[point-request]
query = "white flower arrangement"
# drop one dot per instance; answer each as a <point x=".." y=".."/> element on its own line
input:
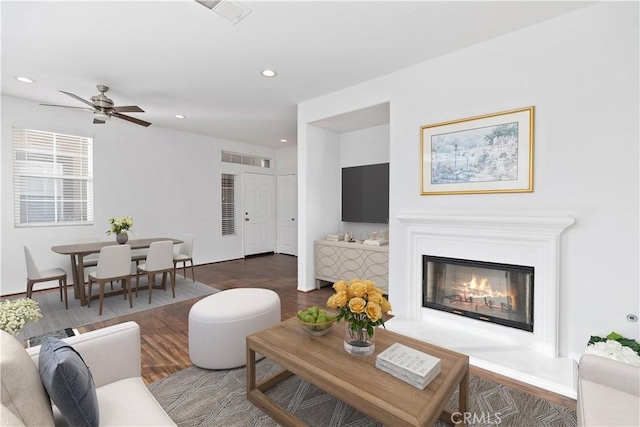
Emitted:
<point x="15" y="314"/>
<point x="616" y="347"/>
<point x="120" y="225"/>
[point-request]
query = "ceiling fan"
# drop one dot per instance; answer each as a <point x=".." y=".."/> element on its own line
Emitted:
<point x="103" y="108"/>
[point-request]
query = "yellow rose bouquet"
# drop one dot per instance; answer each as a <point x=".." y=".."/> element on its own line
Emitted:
<point x="360" y="304"/>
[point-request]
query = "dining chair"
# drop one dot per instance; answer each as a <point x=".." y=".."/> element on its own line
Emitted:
<point x="184" y="255"/>
<point x="34" y="275"/>
<point x="114" y="263"/>
<point x="159" y="260"/>
<point x="90" y="260"/>
<point x="138" y="255"/>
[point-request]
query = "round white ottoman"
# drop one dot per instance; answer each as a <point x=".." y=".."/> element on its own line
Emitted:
<point x="220" y="323"/>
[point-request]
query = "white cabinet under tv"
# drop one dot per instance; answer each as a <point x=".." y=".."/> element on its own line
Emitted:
<point x="345" y="261"/>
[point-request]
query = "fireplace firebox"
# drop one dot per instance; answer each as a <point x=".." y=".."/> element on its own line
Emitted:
<point x="492" y="292"/>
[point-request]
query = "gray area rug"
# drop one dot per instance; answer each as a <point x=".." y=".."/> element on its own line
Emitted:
<point x="55" y="317"/>
<point x="199" y="397"/>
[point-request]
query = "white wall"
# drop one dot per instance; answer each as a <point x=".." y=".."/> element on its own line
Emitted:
<point x="168" y="181"/>
<point x="287" y="160"/>
<point x="364" y="147"/>
<point x="580" y="71"/>
<point x="318" y="195"/>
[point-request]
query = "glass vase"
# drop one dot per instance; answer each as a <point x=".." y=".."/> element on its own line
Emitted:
<point x="122" y="237"/>
<point x="358" y="342"/>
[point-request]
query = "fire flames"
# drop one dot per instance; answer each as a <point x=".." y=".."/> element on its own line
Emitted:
<point x="479" y="289"/>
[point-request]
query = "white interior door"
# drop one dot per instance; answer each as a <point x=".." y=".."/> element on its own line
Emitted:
<point x="259" y="213"/>
<point x="288" y="214"/>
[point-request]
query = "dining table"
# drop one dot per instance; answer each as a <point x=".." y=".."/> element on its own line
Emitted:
<point x="77" y="252"/>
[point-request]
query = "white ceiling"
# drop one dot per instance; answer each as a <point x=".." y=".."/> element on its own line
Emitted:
<point x="178" y="57"/>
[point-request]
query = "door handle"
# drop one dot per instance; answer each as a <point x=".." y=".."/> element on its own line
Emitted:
<point x="293" y="219"/>
<point x="246" y="219"/>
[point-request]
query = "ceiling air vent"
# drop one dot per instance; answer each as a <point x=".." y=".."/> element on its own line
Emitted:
<point x="208" y="4"/>
<point x="230" y="10"/>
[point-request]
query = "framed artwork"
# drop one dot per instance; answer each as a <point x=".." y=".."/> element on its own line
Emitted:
<point x="492" y="153"/>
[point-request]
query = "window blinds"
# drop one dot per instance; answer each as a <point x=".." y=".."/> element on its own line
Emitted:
<point x="229" y="201"/>
<point x="53" y="178"/>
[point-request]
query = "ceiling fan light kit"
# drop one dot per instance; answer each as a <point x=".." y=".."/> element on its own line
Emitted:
<point x="100" y="118"/>
<point x="103" y="108"/>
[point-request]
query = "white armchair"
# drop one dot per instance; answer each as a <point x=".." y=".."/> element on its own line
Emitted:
<point x="608" y="392"/>
<point x="113" y="356"/>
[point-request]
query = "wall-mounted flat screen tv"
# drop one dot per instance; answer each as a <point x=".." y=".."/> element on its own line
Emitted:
<point x="365" y="193"/>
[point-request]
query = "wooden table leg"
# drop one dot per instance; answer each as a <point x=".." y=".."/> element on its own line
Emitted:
<point x="464" y="393"/>
<point x="458" y="417"/>
<point x="74" y="274"/>
<point x="251" y="369"/>
<point x="83" y="299"/>
<point x="77" y="271"/>
<point x="255" y="393"/>
<point x="463" y="396"/>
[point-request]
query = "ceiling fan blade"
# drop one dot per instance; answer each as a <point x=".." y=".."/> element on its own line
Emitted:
<point x="67" y="106"/>
<point x="128" y="109"/>
<point x="131" y="119"/>
<point x="98" y="122"/>
<point x="77" y="97"/>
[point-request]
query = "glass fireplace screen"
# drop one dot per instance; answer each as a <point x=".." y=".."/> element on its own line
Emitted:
<point x="497" y="293"/>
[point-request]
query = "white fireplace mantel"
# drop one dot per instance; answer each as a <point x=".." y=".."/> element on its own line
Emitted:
<point x="505" y="225"/>
<point x="528" y="240"/>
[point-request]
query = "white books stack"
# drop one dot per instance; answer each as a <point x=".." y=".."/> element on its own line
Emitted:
<point x="408" y="364"/>
<point x="373" y="242"/>
<point x="335" y="237"/>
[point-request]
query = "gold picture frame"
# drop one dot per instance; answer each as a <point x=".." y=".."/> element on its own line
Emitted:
<point x="492" y="153"/>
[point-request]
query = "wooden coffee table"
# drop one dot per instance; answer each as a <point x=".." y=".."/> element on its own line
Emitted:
<point x="355" y="380"/>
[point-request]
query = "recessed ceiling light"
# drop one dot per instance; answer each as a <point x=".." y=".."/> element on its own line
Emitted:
<point x="268" y="73"/>
<point x="283" y="140"/>
<point x="25" y="79"/>
<point x="179" y="116"/>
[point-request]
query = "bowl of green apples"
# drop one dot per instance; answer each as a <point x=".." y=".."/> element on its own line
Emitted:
<point x="316" y="321"/>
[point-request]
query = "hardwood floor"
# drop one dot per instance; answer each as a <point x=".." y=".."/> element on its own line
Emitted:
<point x="165" y="343"/>
<point x="165" y="346"/>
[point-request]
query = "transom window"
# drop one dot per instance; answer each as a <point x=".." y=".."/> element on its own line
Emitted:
<point x="245" y="159"/>
<point x="52" y="178"/>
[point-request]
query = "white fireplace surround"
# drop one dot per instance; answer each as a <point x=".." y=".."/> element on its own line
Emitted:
<point x="507" y="239"/>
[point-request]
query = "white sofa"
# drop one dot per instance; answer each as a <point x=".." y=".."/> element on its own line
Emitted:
<point x="113" y="357"/>
<point x="608" y="392"/>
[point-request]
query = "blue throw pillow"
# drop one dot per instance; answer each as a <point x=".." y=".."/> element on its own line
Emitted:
<point x="69" y="383"/>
